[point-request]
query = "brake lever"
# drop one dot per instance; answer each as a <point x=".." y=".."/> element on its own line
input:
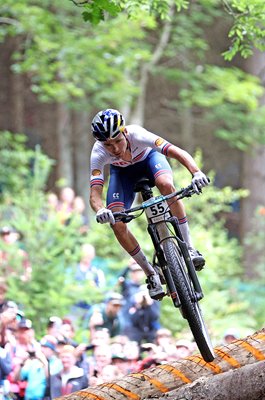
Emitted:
<point x="123" y="217"/>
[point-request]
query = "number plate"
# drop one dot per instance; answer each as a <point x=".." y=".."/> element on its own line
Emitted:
<point x="158" y="212"/>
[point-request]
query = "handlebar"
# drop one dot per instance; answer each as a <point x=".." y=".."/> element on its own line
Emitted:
<point x="124" y="216"/>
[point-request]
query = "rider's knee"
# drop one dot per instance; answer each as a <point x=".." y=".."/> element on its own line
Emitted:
<point x="120" y="228"/>
<point x="166" y="186"/>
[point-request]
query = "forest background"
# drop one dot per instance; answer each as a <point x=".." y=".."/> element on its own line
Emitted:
<point x="190" y="71"/>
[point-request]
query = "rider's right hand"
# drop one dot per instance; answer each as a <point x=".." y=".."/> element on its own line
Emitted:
<point x="104" y="215"/>
<point x="199" y="181"/>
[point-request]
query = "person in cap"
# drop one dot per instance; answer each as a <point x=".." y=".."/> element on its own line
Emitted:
<point x="165" y="341"/>
<point x="33" y="371"/>
<point x="144" y="318"/>
<point x="230" y="335"/>
<point x="49" y="349"/>
<point x="30" y="366"/>
<point x="54" y="324"/>
<point x="106" y="315"/>
<point x="130" y="282"/>
<point x="131" y="279"/>
<point x="184" y="348"/>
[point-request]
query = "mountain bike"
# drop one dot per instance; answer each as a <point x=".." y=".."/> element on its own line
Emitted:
<point x="172" y="259"/>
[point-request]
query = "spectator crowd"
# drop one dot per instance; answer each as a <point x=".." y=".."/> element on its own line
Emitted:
<point x="124" y="333"/>
<point x="57" y="364"/>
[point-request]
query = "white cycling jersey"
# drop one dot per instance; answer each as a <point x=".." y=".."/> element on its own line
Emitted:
<point x="140" y="143"/>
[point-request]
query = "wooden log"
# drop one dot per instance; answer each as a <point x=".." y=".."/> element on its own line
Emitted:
<point x="167" y="377"/>
<point x="245" y="383"/>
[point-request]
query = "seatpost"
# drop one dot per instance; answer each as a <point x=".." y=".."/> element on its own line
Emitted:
<point x="146" y="192"/>
<point x="144" y="187"/>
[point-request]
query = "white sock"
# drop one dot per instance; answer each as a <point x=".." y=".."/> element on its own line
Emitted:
<point x="184" y="229"/>
<point x="138" y="255"/>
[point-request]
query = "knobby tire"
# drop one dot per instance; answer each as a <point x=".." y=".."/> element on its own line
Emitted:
<point x="190" y="307"/>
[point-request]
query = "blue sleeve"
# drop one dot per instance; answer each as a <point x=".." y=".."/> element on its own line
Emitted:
<point x="5" y="364"/>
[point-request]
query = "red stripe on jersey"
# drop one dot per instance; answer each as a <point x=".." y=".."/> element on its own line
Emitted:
<point x="96" y="181"/>
<point x="116" y="204"/>
<point x="165" y="148"/>
<point x="161" y="172"/>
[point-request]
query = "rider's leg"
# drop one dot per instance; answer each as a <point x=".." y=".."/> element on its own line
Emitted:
<point x="121" y="195"/>
<point x="165" y="185"/>
<point x="130" y="244"/>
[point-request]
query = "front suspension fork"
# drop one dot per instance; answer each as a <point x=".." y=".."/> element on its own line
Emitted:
<point x="184" y="249"/>
<point x="163" y="264"/>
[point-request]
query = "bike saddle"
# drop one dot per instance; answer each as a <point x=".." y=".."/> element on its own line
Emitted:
<point x="143" y="184"/>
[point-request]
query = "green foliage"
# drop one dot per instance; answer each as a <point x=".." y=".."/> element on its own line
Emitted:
<point x="230" y="98"/>
<point x="227" y="97"/>
<point x="15" y="162"/>
<point x="255" y="239"/>
<point x="247" y="18"/>
<point x="96" y="11"/>
<point x="223" y="85"/>
<point x="247" y="31"/>
<point x="52" y="247"/>
<point x="69" y="61"/>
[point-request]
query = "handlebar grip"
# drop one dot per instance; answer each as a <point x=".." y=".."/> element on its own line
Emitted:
<point x="122" y="216"/>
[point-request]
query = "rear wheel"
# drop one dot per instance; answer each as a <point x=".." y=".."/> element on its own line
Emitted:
<point x="189" y="304"/>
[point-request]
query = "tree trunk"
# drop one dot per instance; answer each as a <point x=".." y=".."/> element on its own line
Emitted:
<point x="253" y="179"/>
<point x="17" y="98"/>
<point x="11" y="89"/>
<point x="81" y="150"/>
<point x="64" y="140"/>
<point x="138" y="115"/>
<point x="156" y="382"/>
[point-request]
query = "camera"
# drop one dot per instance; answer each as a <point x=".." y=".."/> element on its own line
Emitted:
<point x="31" y="354"/>
<point x="90" y="347"/>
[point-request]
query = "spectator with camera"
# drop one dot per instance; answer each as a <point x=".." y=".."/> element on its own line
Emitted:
<point x="33" y="370"/>
<point x="26" y="352"/>
<point x="106" y="315"/>
<point x="144" y="318"/>
<point x="130" y="282"/>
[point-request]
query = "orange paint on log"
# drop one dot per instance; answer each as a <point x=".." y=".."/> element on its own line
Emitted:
<point x="84" y="394"/>
<point x="225" y="356"/>
<point x="255" y="352"/>
<point x="260" y="336"/>
<point x="199" y="360"/>
<point x="118" y="388"/>
<point x="175" y="372"/>
<point x="154" y="382"/>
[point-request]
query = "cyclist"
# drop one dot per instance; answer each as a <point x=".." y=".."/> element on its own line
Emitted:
<point x="133" y="152"/>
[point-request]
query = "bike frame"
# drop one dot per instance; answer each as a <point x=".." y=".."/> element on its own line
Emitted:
<point x="159" y="216"/>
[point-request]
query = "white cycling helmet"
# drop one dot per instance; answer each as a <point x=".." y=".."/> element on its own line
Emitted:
<point x="107" y="124"/>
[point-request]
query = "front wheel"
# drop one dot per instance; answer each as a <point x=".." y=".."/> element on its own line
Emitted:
<point x="189" y="304"/>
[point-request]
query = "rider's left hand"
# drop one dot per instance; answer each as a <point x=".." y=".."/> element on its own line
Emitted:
<point x="199" y="180"/>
